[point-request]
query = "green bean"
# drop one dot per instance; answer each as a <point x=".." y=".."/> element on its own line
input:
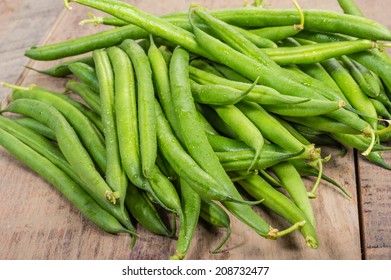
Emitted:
<point x="357" y="141"/>
<point x="194" y="137"/>
<point x="191" y="205"/>
<point x="377" y="158"/>
<point x="278" y="33"/>
<point x="309" y="108"/>
<point x="73" y="151"/>
<point x="153" y="24"/>
<point x="215" y="215"/>
<point x="244" y="128"/>
<point x="108" y="72"/>
<point x="259" y="94"/>
<point x="86" y="74"/>
<point x="165" y="167"/>
<point x="55" y="176"/>
<point x="311" y="135"/>
<point x="162" y="83"/>
<point x="274" y="131"/>
<point x="87" y="132"/>
<point x="257" y="187"/>
<point x="61" y="69"/>
<point x="236" y="60"/>
<point x="373" y="60"/>
<point x="145" y="212"/>
<point x="230" y="74"/>
<point x="205" y="66"/>
<point x="292" y="182"/>
<point x="362" y="76"/>
<point x="40" y="144"/>
<point x="241" y="16"/>
<point x="351" y="90"/>
<point x="307" y="54"/>
<point x="112" y="21"/>
<point x="221" y="143"/>
<point x="183" y="163"/>
<point x="36" y="92"/>
<point x="323" y="123"/>
<point x="36" y="126"/>
<point x="292" y="130"/>
<point x="350" y="7"/>
<point x="126" y="119"/>
<point x="165" y="191"/>
<point x="317" y="71"/>
<point x="216" y="121"/>
<point x="384" y="95"/>
<point x="86" y="93"/>
<point x="380" y="109"/>
<point x="215" y="94"/>
<point x="145" y="105"/>
<point x="240" y="161"/>
<point x="86" y="44"/>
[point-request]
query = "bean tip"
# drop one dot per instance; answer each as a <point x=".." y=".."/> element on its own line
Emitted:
<point x="66" y="4"/>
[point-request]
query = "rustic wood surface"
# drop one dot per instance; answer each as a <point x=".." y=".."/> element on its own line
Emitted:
<point x="36" y="222"/>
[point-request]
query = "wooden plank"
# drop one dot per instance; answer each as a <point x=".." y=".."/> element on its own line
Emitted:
<point x="18" y="32"/>
<point x="36" y="222"/>
<point x="375" y="195"/>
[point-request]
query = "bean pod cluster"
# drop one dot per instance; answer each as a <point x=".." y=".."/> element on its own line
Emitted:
<point x="203" y="114"/>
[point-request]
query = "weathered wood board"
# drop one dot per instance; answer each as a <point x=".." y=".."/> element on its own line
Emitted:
<point x="36" y="222"/>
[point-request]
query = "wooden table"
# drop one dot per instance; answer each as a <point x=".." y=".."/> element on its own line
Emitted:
<point x="36" y="222"/>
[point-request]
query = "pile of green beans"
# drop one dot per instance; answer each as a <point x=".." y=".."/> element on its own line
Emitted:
<point x="208" y="115"/>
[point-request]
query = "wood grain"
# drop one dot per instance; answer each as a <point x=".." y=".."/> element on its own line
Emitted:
<point x="36" y="222"/>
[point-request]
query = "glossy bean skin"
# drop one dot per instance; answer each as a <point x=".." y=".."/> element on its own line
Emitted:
<point x="280" y="204"/>
<point x="307" y="54"/>
<point x="126" y="119"/>
<point x="362" y="76"/>
<point x="221" y="143"/>
<point x="197" y="143"/>
<point x="107" y="73"/>
<point x="350" y="7"/>
<point x="86" y="93"/>
<point x="161" y="79"/>
<point x="244" y="128"/>
<point x="145" y="105"/>
<point x="145" y="212"/>
<point x="63" y="183"/>
<point x="85" y="129"/>
<point x="191" y="207"/>
<point x="292" y="85"/>
<point x="86" y="44"/>
<point x="276" y="33"/>
<point x="36" y="126"/>
<point x="358" y="142"/>
<point x="86" y="74"/>
<point x="323" y="123"/>
<point x="61" y="69"/>
<point x="309" y="108"/>
<point x="74" y="152"/>
<point x="275" y="132"/>
<point x="351" y="90"/>
<point x="381" y="109"/>
<point x="293" y="183"/>
<point x="40" y="144"/>
<point x="178" y="158"/>
<point x="242" y="164"/>
<point x="260" y="94"/>
<point x="216" y="94"/>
